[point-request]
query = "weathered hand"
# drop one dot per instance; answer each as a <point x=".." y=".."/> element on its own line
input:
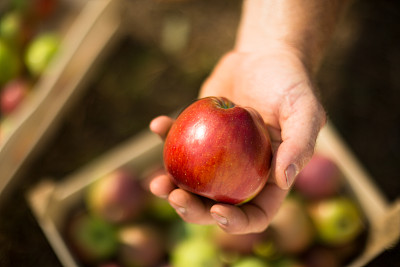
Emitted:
<point x="277" y="85"/>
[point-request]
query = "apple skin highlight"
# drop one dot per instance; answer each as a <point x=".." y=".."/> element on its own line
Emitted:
<point x="219" y="150"/>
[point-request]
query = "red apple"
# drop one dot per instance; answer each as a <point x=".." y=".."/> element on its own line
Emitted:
<point x="12" y="95"/>
<point x="116" y="197"/>
<point x="219" y="150"/>
<point x="320" y="178"/>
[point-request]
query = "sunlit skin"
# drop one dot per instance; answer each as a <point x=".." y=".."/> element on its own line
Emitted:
<point x="218" y="150"/>
<point x="278" y="50"/>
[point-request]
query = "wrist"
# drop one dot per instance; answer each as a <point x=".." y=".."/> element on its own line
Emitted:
<point x="302" y="27"/>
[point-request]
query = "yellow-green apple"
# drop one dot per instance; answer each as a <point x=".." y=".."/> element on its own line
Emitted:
<point x="337" y="220"/>
<point x="320" y="178"/>
<point x="196" y="252"/>
<point x="12" y="95"/>
<point x="117" y="197"/>
<point x="40" y="51"/>
<point x="250" y="261"/>
<point x="219" y="150"/>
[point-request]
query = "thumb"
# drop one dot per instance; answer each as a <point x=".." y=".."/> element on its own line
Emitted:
<point x="300" y="120"/>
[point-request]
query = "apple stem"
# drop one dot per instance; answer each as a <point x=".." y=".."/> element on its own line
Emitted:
<point x="225" y="103"/>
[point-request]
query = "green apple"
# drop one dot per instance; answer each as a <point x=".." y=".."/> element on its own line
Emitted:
<point x="91" y="238"/>
<point x="40" y="52"/>
<point x="337" y="220"/>
<point x="9" y="63"/>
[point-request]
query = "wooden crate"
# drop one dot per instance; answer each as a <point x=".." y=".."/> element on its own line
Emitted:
<point x="86" y="40"/>
<point x="50" y="201"/>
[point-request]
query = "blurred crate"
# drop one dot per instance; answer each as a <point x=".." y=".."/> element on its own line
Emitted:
<point x="87" y="35"/>
<point x="51" y="201"/>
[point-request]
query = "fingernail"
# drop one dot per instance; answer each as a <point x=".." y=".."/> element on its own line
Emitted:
<point x="220" y="219"/>
<point x="178" y="208"/>
<point x="290" y="173"/>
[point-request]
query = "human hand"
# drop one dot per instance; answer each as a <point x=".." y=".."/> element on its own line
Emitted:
<point x="277" y="84"/>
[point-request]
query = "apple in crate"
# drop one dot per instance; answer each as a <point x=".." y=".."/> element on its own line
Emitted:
<point x="40" y="52"/>
<point x="12" y="95"/>
<point x="9" y="62"/>
<point x="140" y="245"/>
<point x="294" y="231"/>
<point x="337" y="220"/>
<point x="196" y="251"/>
<point x="91" y="238"/>
<point x="219" y="150"/>
<point x="116" y="197"/>
<point x="320" y="178"/>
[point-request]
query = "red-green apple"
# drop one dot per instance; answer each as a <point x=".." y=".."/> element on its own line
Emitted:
<point x="292" y="226"/>
<point x="219" y="150"/>
<point x="243" y="244"/>
<point x="140" y="245"/>
<point x="320" y="178"/>
<point x="337" y="220"/>
<point x="116" y="197"/>
<point x="91" y="238"/>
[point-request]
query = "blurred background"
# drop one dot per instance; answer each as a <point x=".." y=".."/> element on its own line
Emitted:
<point x="166" y="51"/>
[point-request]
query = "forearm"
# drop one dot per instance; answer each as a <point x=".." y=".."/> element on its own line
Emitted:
<point x="305" y="26"/>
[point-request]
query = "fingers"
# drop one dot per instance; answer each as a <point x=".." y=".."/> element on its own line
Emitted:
<point x="161" y="125"/>
<point x="301" y="119"/>
<point x="162" y="186"/>
<point x="252" y="217"/>
<point x="191" y="208"/>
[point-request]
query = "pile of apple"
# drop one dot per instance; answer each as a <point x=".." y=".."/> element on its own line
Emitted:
<point x="122" y="224"/>
<point x="27" y="45"/>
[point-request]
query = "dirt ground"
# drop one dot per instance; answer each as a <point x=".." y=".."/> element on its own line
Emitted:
<point x="148" y="74"/>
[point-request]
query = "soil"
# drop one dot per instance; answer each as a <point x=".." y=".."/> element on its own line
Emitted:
<point x="146" y="75"/>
